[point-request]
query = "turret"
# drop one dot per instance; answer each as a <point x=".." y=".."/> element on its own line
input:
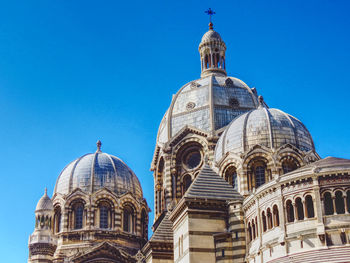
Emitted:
<point x="42" y="243"/>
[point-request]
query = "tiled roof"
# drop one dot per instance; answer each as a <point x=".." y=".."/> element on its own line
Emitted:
<point x="330" y="161"/>
<point x="209" y="185"/>
<point x="164" y="231"/>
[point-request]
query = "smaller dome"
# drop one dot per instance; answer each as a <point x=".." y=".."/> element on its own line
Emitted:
<point x="271" y="128"/>
<point x="44" y="203"/>
<point x="210" y="36"/>
<point x="95" y="171"/>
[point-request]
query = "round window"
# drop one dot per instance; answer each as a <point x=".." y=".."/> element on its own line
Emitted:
<point x="192" y="159"/>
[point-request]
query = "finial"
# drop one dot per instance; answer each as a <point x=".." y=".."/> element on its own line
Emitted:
<point x="99" y="143"/>
<point x="210" y="12"/>
<point x="45" y="190"/>
<point x="261" y="100"/>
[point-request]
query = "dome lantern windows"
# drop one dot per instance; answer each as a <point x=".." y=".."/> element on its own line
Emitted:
<point x="259" y="175"/>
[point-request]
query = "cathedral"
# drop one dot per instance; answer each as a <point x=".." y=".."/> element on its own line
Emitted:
<point x="234" y="181"/>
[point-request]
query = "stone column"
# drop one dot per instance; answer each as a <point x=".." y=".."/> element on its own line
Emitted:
<point x="334" y="206"/>
<point x="295" y="212"/>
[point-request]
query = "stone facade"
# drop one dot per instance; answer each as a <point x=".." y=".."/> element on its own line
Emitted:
<point x="234" y="181"/>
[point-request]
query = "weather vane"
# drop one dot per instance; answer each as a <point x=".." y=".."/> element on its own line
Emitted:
<point x="210" y="12"/>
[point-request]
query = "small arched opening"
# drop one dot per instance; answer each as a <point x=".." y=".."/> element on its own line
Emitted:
<point x="310" y="213"/>
<point x="231" y="177"/>
<point x="128" y="219"/>
<point x="276" y="219"/>
<point x="263" y="217"/>
<point x="57" y="220"/>
<point x="299" y="209"/>
<point x="339" y="202"/>
<point x="289" y="164"/>
<point x="187" y="180"/>
<point x="290" y="211"/>
<point x="269" y="218"/>
<point x="78" y="215"/>
<point x="328" y="203"/>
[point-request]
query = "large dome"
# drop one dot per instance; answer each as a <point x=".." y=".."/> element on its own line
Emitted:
<point x="207" y="104"/>
<point x="94" y="171"/>
<point x="271" y="128"/>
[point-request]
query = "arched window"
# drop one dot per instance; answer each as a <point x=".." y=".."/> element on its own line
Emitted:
<point x="186" y="183"/>
<point x="339" y="203"/>
<point x="159" y="187"/>
<point x="348" y="200"/>
<point x="264" y="221"/>
<point x="290" y="211"/>
<point x="276" y="218"/>
<point x="309" y="206"/>
<point x="259" y="175"/>
<point x="144" y="224"/>
<point x="269" y="218"/>
<point x="300" y="208"/>
<point x="78" y="216"/>
<point x="289" y="164"/>
<point x="253" y="229"/>
<point x="57" y="220"/>
<point x="328" y="203"/>
<point x="128" y="219"/>
<point x="250" y="232"/>
<point x="105" y="212"/>
<point x="231" y="177"/>
<point x="256" y="226"/>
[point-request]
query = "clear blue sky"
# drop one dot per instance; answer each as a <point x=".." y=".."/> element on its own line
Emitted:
<point x="73" y="72"/>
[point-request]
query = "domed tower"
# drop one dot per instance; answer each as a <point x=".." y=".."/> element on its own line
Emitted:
<point x="98" y="211"/>
<point x="42" y="243"/>
<point x="260" y="145"/>
<point x="191" y="126"/>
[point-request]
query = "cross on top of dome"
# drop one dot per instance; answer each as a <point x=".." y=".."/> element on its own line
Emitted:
<point x="99" y="144"/>
<point x="210" y="13"/>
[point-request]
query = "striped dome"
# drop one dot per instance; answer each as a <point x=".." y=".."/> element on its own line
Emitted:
<point x="271" y="128"/>
<point x="94" y="171"/>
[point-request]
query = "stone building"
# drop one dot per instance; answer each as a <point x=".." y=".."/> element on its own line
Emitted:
<point x="234" y="181"/>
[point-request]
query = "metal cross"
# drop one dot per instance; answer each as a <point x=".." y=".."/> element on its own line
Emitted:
<point x="210" y="12"/>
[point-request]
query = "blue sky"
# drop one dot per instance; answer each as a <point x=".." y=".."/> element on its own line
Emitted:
<point x="73" y="72"/>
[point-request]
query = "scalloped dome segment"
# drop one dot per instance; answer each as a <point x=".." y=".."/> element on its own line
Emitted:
<point x="271" y="128"/>
<point x="44" y="203"/>
<point x="211" y="35"/>
<point x="94" y="171"/>
<point x="207" y="104"/>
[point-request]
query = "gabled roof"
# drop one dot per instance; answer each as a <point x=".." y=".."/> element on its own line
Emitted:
<point x="210" y="185"/>
<point x="164" y="231"/>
